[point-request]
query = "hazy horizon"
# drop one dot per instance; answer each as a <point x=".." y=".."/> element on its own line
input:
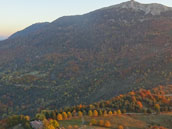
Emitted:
<point x="19" y="14"/>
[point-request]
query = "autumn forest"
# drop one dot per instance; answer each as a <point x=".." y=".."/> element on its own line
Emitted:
<point x="110" y="68"/>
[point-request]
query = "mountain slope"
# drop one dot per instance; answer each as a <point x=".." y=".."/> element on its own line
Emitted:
<point x="86" y="58"/>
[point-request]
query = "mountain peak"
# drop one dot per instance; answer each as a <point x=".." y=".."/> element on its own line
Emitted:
<point x="154" y="8"/>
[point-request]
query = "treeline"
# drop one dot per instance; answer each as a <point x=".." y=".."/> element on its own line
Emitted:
<point x="142" y="101"/>
<point x="68" y="115"/>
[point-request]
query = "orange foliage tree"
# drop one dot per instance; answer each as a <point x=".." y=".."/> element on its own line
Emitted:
<point x="69" y="114"/>
<point x="157" y="107"/>
<point x="59" y="117"/>
<point x="120" y="127"/>
<point x="95" y="113"/>
<point x="139" y="104"/>
<point x="107" y="124"/>
<point x="64" y="115"/>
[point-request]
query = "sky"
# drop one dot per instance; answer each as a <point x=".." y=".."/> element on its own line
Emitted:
<point x="16" y="15"/>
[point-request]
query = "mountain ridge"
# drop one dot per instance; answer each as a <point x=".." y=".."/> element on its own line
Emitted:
<point x="29" y="30"/>
<point x="152" y="8"/>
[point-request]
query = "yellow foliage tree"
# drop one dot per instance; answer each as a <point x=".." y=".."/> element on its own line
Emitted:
<point x="90" y="113"/>
<point x="69" y="114"/>
<point x="45" y="123"/>
<point x="110" y="113"/>
<point x="95" y="113"/>
<point x="59" y="117"/>
<point x="119" y="112"/>
<point x="50" y="127"/>
<point x="51" y="124"/>
<point x="54" y="123"/>
<point x="40" y="116"/>
<point x="27" y="118"/>
<point x="80" y="114"/>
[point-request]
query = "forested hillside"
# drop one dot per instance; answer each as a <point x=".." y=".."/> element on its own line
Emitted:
<point x="142" y="109"/>
<point x="86" y="58"/>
